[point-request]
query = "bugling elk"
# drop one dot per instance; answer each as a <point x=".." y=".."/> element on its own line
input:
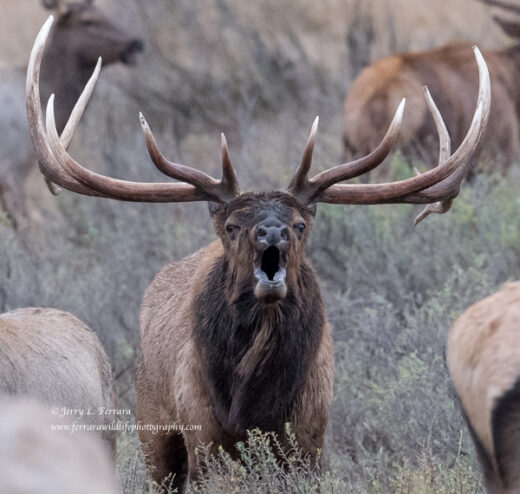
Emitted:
<point x="451" y="76"/>
<point x="235" y="336"/>
<point x="484" y="361"/>
<point x="51" y="356"/>
<point x="38" y="458"/>
<point x="81" y="35"/>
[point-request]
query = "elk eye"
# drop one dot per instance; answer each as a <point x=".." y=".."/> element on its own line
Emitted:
<point x="232" y="228"/>
<point x="300" y="227"/>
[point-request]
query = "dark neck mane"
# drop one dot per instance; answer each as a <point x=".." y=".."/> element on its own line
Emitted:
<point x="256" y="356"/>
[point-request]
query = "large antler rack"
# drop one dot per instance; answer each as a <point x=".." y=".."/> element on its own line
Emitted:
<point x="61" y="169"/>
<point x="436" y="187"/>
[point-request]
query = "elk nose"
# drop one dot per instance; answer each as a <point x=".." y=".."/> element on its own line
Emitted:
<point x="272" y="234"/>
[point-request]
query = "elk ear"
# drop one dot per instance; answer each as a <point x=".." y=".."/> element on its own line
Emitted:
<point x="311" y="209"/>
<point x="215" y="208"/>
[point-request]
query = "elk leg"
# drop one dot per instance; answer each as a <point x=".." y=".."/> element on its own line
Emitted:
<point x="167" y="459"/>
<point x="506" y="438"/>
<point x="165" y="451"/>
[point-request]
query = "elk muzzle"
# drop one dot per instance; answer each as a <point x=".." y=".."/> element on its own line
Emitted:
<point x="271" y="241"/>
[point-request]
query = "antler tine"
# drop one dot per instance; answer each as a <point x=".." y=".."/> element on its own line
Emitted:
<point x="449" y="187"/>
<point x="444" y="135"/>
<point x="57" y="166"/>
<point x="368" y="162"/>
<point x="44" y="155"/>
<point x="444" y="153"/>
<point x="440" y="183"/>
<point x="221" y="190"/>
<point x="300" y="181"/>
<point x="310" y="189"/>
<point x="229" y="181"/>
<point x="74" y="119"/>
<point x="197" y="178"/>
<point x="79" y="108"/>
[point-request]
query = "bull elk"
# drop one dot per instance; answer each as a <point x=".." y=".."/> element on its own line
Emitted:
<point x="450" y="74"/>
<point x="51" y="356"/>
<point x="484" y="361"/>
<point x="38" y="458"/>
<point x="235" y="336"/>
<point x="82" y="34"/>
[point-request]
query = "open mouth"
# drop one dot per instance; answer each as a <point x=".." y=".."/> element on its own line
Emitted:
<point x="270" y="274"/>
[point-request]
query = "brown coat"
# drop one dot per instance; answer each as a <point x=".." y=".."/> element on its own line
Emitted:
<point x="181" y="375"/>
<point x="51" y="356"/>
<point x="451" y="76"/>
<point x="484" y="360"/>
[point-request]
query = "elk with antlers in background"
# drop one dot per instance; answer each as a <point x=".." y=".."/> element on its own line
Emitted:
<point x="451" y="76"/>
<point x="484" y="361"/>
<point x="82" y="34"/>
<point x="235" y="336"/>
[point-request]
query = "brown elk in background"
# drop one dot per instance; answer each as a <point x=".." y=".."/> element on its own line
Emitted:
<point x="484" y="361"/>
<point x="82" y="34"/>
<point x="35" y="458"/>
<point x="53" y="357"/>
<point x="235" y="336"/>
<point x="452" y="78"/>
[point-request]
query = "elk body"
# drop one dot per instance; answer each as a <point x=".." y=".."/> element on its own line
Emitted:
<point x="82" y="34"/>
<point x="235" y="336"/>
<point x="53" y="357"/>
<point x="35" y="459"/>
<point x="451" y="76"/>
<point x="484" y="362"/>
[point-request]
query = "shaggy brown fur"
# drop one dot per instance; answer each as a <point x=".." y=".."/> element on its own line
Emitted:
<point x="484" y="361"/>
<point x="35" y="459"/>
<point x="50" y="355"/>
<point x="451" y="76"/>
<point x="214" y="354"/>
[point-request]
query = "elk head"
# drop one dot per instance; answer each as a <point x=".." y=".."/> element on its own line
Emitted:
<point x="84" y="31"/>
<point x="263" y="234"/>
<point x="263" y="237"/>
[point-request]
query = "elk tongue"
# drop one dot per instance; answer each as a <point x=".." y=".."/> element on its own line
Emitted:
<point x="278" y="277"/>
